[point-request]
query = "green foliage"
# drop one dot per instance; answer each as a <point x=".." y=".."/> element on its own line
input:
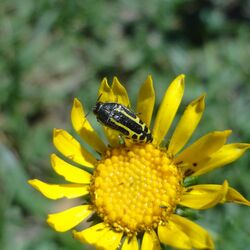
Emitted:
<point x="52" y="51"/>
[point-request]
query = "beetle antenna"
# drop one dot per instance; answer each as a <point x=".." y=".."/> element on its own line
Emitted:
<point x="85" y="117"/>
<point x="87" y="114"/>
<point x="99" y="97"/>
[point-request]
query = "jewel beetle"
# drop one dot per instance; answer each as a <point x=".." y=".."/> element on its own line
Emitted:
<point x="118" y="117"/>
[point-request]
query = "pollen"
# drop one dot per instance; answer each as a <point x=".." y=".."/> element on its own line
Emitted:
<point x="135" y="188"/>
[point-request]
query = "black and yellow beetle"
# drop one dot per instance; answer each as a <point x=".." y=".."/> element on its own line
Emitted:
<point x="118" y="117"/>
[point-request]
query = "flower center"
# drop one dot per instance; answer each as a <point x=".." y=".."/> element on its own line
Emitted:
<point x="135" y="188"/>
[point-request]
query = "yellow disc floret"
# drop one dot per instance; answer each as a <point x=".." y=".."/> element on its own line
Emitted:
<point x="135" y="188"/>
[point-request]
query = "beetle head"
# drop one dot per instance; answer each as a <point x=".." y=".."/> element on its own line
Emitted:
<point x="97" y="107"/>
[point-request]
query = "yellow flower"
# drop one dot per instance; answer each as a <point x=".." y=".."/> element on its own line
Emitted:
<point x="132" y="191"/>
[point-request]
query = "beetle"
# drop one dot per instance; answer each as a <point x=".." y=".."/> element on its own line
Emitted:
<point x="118" y="117"/>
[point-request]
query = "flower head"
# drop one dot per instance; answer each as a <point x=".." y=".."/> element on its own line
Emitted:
<point x="132" y="191"/>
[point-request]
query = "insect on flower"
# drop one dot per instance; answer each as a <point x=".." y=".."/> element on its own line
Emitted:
<point x="137" y="196"/>
<point x="118" y="117"/>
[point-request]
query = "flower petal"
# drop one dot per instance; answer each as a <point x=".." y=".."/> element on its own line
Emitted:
<point x="72" y="149"/>
<point x="187" y="124"/>
<point x="130" y="244"/>
<point x="150" y="241"/>
<point x="105" y="93"/>
<point x="109" y="241"/>
<point x="69" y="172"/>
<point x="168" y="109"/>
<point x="84" y="129"/>
<point x="120" y="93"/>
<point x="58" y="191"/>
<point x="235" y="197"/>
<point x="100" y="236"/>
<point x="201" y="149"/>
<point x="91" y="234"/>
<point x="69" y="218"/>
<point x="146" y="101"/>
<point x="208" y="195"/>
<point x="171" y="234"/>
<point x="113" y="136"/>
<point x="200" y="239"/>
<point x="225" y="155"/>
<point x="204" y="196"/>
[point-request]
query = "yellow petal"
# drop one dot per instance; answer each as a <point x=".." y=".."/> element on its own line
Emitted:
<point x="58" y="191"/>
<point x="187" y="124"/>
<point x="150" y="241"/>
<point x="100" y="236"/>
<point x="109" y="241"/>
<point x="105" y="93"/>
<point x="201" y="149"/>
<point x="130" y="244"/>
<point x="72" y="149"/>
<point x="120" y="93"/>
<point x="69" y="218"/>
<point x="225" y="155"/>
<point x="146" y="101"/>
<point x="69" y="172"/>
<point x="204" y="196"/>
<point x="200" y="239"/>
<point x="171" y="234"/>
<point x="84" y="129"/>
<point x="117" y="93"/>
<point x="113" y="136"/>
<point x="235" y="197"/>
<point x="168" y="109"/>
<point x="91" y="234"/>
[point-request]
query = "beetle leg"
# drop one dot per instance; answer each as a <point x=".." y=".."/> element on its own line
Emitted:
<point x="121" y="139"/>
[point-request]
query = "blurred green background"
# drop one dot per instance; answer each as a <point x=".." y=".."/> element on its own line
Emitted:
<point x="53" y="51"/>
